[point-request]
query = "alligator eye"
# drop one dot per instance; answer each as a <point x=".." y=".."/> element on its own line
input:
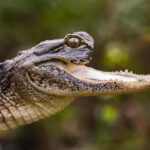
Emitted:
<point x="73" y="42"/>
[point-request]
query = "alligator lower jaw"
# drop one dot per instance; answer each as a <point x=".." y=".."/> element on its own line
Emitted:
<point x="89" y="74"/>
<point x="94" y="76"/>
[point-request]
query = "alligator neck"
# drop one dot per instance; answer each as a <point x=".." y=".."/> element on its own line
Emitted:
<point x="16" y="111"/>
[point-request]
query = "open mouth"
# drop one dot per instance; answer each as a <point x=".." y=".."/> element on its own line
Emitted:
<point x="70" y="79"/>
<point x="89" y="74"/>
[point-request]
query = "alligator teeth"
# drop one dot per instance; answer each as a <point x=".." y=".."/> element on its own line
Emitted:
<point x="97" y="75"/>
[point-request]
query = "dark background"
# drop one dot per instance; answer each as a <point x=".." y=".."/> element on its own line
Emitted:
<point x="121" y="29"/>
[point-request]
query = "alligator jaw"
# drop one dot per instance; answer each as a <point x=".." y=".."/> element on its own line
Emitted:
<point x="92" y="75"/>
<point x="79" y="80"/>
<point x="116" y="82"/>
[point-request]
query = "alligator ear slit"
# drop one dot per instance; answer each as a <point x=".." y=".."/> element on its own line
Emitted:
<point x="39" y="52"/>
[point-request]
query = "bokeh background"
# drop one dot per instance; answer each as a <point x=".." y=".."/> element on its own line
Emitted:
<point x="121" y="29"/>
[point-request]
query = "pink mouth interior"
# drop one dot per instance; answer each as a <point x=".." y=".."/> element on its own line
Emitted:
<point x="86" y="73"/>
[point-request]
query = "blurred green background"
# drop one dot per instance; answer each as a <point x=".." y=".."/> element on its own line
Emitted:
<point x="121" y="30"/>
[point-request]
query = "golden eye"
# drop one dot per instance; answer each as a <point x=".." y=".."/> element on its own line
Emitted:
<point x="73" y="42"/>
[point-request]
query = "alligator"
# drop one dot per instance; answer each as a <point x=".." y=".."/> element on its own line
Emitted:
<point x="43" y="80"/>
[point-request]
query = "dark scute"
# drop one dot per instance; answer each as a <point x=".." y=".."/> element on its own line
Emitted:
<point x="3" y="66"/>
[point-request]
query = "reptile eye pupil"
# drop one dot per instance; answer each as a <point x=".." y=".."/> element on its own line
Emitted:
<point x="74" y="42"/>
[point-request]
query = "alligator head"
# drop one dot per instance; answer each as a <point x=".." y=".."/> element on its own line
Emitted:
<point x="44" y="79"/>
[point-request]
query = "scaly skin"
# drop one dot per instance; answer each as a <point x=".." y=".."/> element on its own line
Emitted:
<point x="43" y="80"/>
